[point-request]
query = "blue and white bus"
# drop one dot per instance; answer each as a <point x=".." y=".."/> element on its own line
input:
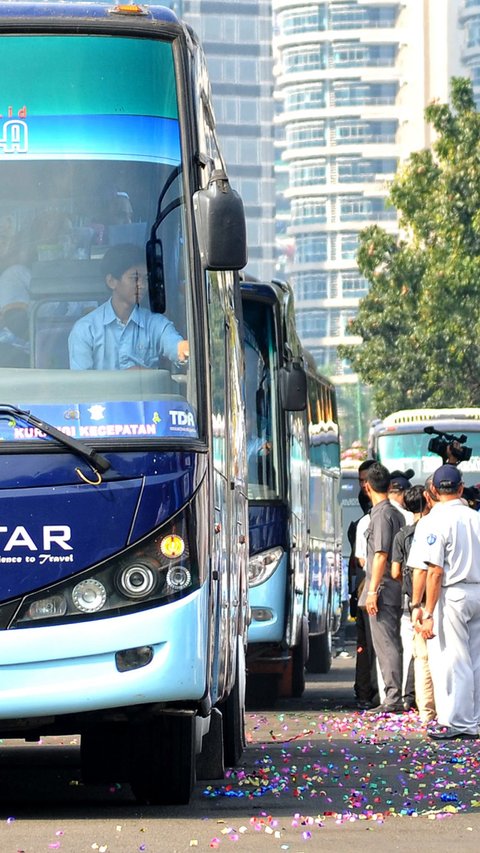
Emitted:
<point x="123" y="540"/>
<point x="294" y="509"/>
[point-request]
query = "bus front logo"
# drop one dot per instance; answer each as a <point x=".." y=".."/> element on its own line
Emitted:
<point x="55" y="534"/>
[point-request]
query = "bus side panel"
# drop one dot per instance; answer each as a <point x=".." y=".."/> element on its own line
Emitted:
<point x="299" y="501"/>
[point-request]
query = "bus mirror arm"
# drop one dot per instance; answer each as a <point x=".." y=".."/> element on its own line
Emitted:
<point x="156" y="275"/>
<point x="293" y="386"/>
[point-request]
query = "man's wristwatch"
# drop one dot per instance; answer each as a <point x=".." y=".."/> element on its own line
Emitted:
<point x="416" y="605"/>
<point x="427" y="616"/>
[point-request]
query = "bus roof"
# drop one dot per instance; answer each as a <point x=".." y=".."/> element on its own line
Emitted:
<point x="420" y="416"/>
<point x="18" y="9"/>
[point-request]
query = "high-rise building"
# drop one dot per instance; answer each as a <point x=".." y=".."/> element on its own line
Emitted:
<point x="469" y="17"/>
<point x="237" y="39"/>
<point x="353" y="78"/>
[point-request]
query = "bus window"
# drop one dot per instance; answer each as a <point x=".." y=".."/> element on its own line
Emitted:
<point x="91" y="170"/>
<point x="261" y="379"/>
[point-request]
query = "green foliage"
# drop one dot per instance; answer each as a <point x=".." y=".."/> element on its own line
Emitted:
<point x="420" y="321"/>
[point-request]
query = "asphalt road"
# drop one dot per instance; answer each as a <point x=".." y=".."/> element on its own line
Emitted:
<point x="317" y="775"/>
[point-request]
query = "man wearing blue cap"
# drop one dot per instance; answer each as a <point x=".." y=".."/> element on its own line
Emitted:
<point x="450" y="619"/>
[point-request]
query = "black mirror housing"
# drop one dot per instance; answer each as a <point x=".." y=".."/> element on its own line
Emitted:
<point x="293" y="387"/>
<point x="221" y="227"/>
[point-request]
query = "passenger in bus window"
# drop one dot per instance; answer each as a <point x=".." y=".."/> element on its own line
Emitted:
<point x="121" y="334"/>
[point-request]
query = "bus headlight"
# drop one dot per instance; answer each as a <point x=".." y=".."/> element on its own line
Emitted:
<point x="89" y="595"/>
<point x="159" y="569"/>
<point x="178" y="578"/>
<point x="262" y="566"/>
<point x="139" y="579"/>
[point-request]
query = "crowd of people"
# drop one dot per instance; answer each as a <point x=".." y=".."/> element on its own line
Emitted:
<point x="415" y="594"/>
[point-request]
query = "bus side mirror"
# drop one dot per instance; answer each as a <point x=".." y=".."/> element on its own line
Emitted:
<point x="156" y="276"/>
<point x="220" y="223"/>
<point x="293" y="387"/>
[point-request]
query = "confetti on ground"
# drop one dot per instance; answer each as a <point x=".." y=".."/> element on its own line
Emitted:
<point x="351" y="766"/>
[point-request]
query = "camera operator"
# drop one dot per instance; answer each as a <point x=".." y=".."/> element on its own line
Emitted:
<point x="451" y="448"/>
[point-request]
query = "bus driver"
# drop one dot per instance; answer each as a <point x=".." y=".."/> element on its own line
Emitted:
<point x="120" y="334"/>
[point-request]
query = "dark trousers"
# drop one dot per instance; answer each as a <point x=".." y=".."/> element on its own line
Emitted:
<point x="385" y="628"/>
<point x="366" y="687"/>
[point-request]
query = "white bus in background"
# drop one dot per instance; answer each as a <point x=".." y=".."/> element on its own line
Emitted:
<point x="399" y="441"/>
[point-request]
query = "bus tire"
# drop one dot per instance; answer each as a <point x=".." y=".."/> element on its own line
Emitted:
<point x="162" y="760"/>
<point x="320" y="657"/>
<point x="233" y="710"/>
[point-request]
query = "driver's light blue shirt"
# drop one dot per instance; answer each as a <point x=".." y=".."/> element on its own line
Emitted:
<point x="100" y="341"/>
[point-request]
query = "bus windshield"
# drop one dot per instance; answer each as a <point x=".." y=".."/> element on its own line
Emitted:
<point x="261" y="401"/>
<point x="90" y="169"/>
<point x="400" y="451"/>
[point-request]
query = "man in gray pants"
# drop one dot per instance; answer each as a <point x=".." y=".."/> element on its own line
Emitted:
<point x="382" y="595"/>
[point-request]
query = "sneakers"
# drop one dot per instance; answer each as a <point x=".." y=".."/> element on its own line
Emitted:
<point x="438" y="732"/>
<point x="344" y="654"/>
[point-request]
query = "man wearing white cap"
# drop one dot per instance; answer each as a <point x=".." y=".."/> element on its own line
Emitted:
<point x="450" y="547"/>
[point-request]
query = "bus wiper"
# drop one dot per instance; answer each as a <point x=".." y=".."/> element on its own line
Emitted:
<point x="96" y="460"/>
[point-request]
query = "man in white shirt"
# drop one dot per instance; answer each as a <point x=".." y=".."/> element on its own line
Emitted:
<point x="448" y="542"/>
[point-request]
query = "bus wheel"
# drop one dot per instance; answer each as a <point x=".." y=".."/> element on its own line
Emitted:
<point x="320" y="657"/>
<point x="299" y="660"/>
<point x="162" y="760"/>
<point x="233" y="710"/>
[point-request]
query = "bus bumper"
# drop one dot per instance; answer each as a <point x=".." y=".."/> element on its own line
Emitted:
<point x="68" y="669"/>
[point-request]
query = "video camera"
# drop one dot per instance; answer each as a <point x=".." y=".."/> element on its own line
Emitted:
<point x="451" y="448"/>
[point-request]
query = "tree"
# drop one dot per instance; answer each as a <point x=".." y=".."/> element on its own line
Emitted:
<point x="420" y="321"/>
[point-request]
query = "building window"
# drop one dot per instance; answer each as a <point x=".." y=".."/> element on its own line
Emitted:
<point x="306" y="134"/>
<point x="311" y="248"/>
<point x="339" y="321"/>
<point x="473" y="32"/>
<point x="360" y="208"/>
<point x="350" y="93"/>
<point x="309" y="286"/>
<point x="357" y="54"/>
<point x="307" y="58"/>
<point x="312" y="323"/>
<point x="348" y="246"/>
<point x="303" y="20"/>
<point x="353" y="284"/>
<point x="360" y="170"/>
<point x="307" y="174"/>
<point x="307" y="211"/>
<point x="349" y="16"/>
<point x="326" y="357"/>
<point x="357" y="131"/>
<point x="310" y="98"/>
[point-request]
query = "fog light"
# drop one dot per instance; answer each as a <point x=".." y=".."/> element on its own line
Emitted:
<point x="178" y="578"/>
<point x="47" y="607"/>
<point x="261" y="614"/>
<point x="89" y="596"/>
<point x="133" y="658"/>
